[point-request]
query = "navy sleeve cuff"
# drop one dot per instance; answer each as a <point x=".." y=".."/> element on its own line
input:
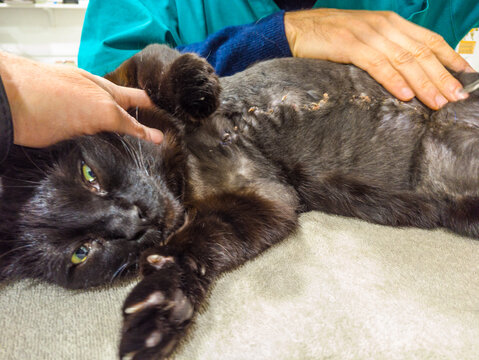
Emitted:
<point x="234" y="48"/>
<point x="6" y="125"/>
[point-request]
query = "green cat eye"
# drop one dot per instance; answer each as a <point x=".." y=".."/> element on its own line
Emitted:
<point x="88" y="173"/>
<point x="90" y="178"/>
<point x="80" y="254"/>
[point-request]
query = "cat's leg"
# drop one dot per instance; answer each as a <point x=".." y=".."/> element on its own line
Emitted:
<point x="449" y="164"/>
<point x="462" y="216"/>
<point x="189" y="88"/>
<point x="224" y="231"/>
<point x="184" y="85"/>
<point x="348" y="196"/>
<point x="144" y="69"/>
<point x="449" y="167"/>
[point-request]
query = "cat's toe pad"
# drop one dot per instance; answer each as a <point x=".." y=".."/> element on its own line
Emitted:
<point x="182" y="309"/>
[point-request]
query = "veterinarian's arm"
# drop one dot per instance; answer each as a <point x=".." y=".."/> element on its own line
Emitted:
<point x="6" y="127"/>
<point x="234" y="48"/>
<point x="50" y="103"/>
<point x="406" y="59"/>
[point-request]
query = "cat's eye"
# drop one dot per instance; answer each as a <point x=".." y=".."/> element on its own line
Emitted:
<point x="89" y="176"/>
<point x="88" y="173"/>
<point x="80" y="254"/>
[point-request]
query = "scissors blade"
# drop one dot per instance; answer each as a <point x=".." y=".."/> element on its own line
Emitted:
<point x="471" y="87"/>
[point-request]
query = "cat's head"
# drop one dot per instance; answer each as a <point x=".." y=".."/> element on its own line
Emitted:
<point x="79" y="213"/>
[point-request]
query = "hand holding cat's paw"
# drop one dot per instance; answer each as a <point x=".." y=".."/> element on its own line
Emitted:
<point x="156" y="313"/>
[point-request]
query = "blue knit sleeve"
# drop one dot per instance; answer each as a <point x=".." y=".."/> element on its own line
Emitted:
<point x="234" y="48"/>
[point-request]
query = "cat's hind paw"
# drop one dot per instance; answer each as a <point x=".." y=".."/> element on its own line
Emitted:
<point x="195" y="85"/>
<point x="156" y="313"/>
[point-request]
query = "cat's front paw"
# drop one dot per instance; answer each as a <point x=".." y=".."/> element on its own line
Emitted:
<point x="156" y="313"/>
<point x="195" y="85"/>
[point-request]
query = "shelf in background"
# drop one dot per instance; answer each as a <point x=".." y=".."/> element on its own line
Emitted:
<point x="44" y="6"/>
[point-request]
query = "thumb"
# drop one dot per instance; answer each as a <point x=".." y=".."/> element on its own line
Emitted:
<point x="126" y="97"/>
<point x="129" y="125"/>
<point x="129" y="97"/>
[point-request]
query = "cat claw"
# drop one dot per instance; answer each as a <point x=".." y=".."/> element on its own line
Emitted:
<point x="129" y="356"/>
<point x="182" y="308"/>
<point x="159" y="261"/>
<point x="154" y="299"/>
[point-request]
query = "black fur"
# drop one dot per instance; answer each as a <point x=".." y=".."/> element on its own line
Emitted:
<point x="235" y="169"/>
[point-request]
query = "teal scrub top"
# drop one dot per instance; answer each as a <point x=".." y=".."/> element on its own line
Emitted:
<point x="115" y="30"/>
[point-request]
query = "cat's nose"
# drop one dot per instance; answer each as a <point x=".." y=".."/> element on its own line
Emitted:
<point x="141" y="215"/>
<point x="135" y="221"/>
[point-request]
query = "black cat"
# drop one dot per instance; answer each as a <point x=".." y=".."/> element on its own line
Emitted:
<point x="233" y="173"/>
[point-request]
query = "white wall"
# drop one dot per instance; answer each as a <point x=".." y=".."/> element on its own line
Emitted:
<point x="48" y="33"/>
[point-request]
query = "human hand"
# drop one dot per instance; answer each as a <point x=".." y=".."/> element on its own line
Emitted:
<point x="50" y="103"/>
<point x="406" y="59"/>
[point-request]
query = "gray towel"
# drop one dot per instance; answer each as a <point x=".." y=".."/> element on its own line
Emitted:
<point x="338" y="289"/>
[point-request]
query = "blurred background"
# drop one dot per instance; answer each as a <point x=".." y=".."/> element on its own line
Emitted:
<point x="50" y="30"/>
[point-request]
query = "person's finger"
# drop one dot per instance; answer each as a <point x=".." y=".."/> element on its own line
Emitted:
<point x="378" y="63"/>
<point x="447" y="84"/>
<point x="130" y="97"/>
<point x="431" y="82"/>
<point x="379" y="67"/>
<point x="353" y="50"/>
<point x="129" y="125"/>
<point x="446" y="55"/>
<point x="126" y="97"/>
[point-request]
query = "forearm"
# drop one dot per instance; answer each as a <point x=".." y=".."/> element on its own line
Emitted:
<point x="6" y="125"/>
<point x="235" y="48"/>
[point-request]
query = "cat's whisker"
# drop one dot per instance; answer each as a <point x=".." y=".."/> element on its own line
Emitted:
<point x="128" y="149"/>
<point x="53" y="266"/>
<point x="7" y="241"/>
<point x="15" y="249"/>
<point x="137" y="156"/>
<point x="119" y="271"/>
<point x="33" y="162"/>
<point x="20" y="187"/>
<point x="21" y="180"/>
<point x="130" y="152"/>
<point x="142" y="159"/>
